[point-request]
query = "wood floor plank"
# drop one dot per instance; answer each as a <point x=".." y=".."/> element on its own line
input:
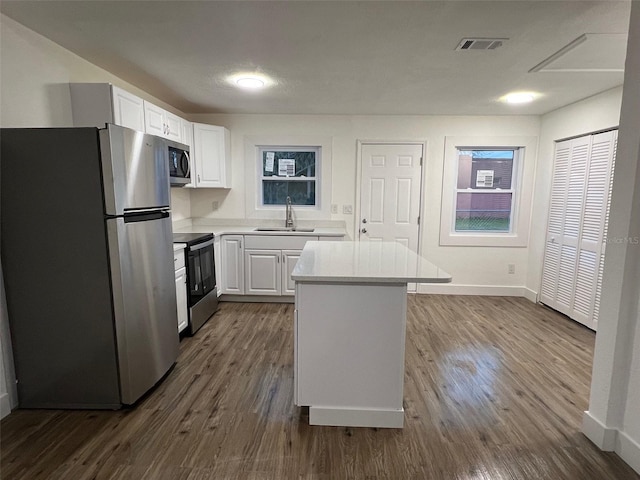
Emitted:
<point x="495" y="388"/>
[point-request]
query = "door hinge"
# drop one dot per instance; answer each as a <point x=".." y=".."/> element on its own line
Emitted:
<point x="420" y="161"/>
<point x="418" y="219"/>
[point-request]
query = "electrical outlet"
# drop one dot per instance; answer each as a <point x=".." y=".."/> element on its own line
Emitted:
<point x="215" y="205"/>
<point x="511" y="268"/>
<point x="347" y="209"/>
<point x="334" y="208"/>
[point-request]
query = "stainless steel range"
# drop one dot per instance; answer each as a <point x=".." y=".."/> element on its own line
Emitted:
<point x="201" y="277"/>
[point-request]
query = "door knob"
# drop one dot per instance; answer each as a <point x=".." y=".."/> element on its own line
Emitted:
<point x="364" y="220"/>
<point x="364" y="230"/>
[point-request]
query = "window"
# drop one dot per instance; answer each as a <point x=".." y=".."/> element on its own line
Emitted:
<point x="487" y="189"/>
<point x="289" y="172"/>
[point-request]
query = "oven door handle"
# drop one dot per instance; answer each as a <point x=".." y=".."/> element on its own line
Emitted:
<point x="200" y="246"/>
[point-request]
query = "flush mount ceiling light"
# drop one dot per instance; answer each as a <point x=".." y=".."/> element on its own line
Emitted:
<point x="519" y="97"/>
<point x="249" y="81"/>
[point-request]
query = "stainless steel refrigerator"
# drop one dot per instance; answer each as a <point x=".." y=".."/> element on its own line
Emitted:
<point x="87" y="261"/>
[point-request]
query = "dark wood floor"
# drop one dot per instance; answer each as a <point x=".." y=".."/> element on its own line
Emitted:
<point x="494" y="389"/>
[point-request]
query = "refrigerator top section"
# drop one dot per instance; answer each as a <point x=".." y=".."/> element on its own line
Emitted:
<point x="135" y="170"/>
<point x="191" y="238"/>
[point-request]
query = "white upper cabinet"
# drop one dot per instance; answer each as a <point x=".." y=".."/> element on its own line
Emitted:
<point x="162" y="123"/>
<point x="187" y="133"/>
<point x="211" y="156"/>
<point x="128" y="110"/>
<point x="96" y="104"/>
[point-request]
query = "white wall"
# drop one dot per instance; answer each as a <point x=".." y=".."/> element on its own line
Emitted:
<point x="590" y="115"/>
<point x="480" y="266"/>
<point x="613" y="419"/>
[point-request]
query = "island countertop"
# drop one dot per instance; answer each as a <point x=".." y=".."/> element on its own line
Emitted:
<point x="364" y="262"/>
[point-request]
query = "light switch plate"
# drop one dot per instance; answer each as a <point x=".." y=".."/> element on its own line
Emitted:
<point x="347" y="209"/>
<point x="334" y="208"/>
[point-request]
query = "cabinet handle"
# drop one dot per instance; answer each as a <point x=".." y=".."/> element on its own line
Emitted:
<point x="198" y="177"/>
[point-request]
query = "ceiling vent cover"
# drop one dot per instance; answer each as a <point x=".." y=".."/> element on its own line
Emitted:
<point x="480" y="43"/>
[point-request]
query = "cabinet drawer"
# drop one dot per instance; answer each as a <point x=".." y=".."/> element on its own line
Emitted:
<point x="278" y="242"/>
<point x="178" y="259"/>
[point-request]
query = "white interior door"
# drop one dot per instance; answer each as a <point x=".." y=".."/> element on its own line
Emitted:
<point x="390" y="194"/>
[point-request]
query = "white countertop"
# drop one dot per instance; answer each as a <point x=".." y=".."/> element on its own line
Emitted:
<point x="218" y="230"/>
<point x="179" y="246"/>
<point x="364" y="262"/>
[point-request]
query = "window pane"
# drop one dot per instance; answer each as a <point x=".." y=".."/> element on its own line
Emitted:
<point x="485" y="169"/>
<point x="274" y="192"/>
<point x="293" y="164"/>
<point x="488" y="212"/>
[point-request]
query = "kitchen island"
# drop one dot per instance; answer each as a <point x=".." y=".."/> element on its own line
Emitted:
<point x="350" y="321"/>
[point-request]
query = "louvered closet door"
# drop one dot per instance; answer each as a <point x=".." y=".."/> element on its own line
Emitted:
<point x="575" y="233"/>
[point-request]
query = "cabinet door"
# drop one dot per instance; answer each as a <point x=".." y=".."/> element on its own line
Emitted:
<point x="187" y="139"/>
<point x="128" y="110"/>
<point x="262" y="272"/>
<point x="181" y="298"/>
<point x="232" y="267"/>
<point x="217" y="259"/>
<point x="212" y="156"/>
<point x="173" y="125"/>
<point x="154" y="120"/>
<point x="187" y="133"/>
<point x="289" y="259"/>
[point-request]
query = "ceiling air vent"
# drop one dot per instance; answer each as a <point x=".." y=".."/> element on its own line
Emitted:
<point x="480" y="43"/>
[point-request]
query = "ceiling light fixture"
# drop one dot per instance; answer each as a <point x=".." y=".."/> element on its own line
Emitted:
<point x="250" y="82"/>
<point x="519" y="97"/>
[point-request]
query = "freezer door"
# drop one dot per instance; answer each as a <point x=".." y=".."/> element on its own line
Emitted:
<point x="144" y="297"/>
<point x="135" y="170"/>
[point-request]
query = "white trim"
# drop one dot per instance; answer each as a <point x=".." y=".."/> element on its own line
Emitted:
<point x="323" y="176"/>
<point x="5" y="405"/>
<point x="458" y="289"/>
<point x="524" y="181"/>
<point x="531" y="295"/>
<point x="628" y="450"/>
<point x="603" y="437"/>
<point x="352" y="417"/>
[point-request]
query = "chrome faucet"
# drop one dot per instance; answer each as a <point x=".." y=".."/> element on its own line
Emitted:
<point x="288" y="223"/>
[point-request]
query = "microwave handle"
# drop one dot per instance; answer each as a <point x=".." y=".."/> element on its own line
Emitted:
<point x="200" y="246"/>
<point x="185" y="159"/>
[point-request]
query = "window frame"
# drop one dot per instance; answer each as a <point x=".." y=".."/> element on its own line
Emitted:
<point x="521" y="189"/>
<point x="274" y="178"/>
<point x="253" y="189"/>
<point x="517" y="154"/>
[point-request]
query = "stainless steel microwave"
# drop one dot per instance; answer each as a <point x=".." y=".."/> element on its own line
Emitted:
<point x="179" y="164"/>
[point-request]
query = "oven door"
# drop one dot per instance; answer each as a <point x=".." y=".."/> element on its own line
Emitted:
<point x="202" y="275"/>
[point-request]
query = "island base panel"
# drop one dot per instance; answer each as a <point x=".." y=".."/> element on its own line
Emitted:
<point x="350" y="353"/>
<point x="337" y="417"/>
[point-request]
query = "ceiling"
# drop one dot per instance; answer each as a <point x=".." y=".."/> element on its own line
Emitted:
<point x="343" y="57"/>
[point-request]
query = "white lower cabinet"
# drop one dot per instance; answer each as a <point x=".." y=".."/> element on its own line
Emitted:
<point x="181" y="288"/>
<point x="289" y="259"/>
<point x="261" y="264"/>
<point x="232" y="268"/>
<point x="181" y="298"/>
<point x="262" y="272"/>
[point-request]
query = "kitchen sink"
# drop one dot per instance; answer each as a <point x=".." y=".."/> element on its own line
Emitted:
<point x="283" y="229"/>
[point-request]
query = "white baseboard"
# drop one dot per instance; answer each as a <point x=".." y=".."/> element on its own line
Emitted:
<point x="629" y="450"/>
<point x="352" y="417"/>
<point x="5" y="405"/>
<point x="458" y="289"/>
<point x="602" y="436"/>
<point x="530" y="295"/>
